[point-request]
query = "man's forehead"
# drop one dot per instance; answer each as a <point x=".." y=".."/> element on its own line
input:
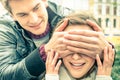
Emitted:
<point x="23" y="6"/>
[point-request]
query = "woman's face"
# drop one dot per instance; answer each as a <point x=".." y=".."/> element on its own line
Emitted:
<point x="78" y="64"/>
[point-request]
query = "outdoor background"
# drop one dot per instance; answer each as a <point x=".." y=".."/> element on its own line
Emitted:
<point x="107" y="12"/>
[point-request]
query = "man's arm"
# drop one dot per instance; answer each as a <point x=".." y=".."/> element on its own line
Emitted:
<point x="15" y="63"/>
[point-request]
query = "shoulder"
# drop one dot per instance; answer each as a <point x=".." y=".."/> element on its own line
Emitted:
<point x="7" y="28"/>
<point x="6" y="20"/>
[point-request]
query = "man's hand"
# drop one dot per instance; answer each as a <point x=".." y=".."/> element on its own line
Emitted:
<point x="56" y="41"/>
<point x="86" y="42"/>
<point x="94" y="26"/>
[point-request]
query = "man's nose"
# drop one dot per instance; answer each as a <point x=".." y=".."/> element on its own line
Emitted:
<point x="33" y="18"/>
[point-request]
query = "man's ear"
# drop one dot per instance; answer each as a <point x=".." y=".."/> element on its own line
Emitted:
<point x="45" y="2"/>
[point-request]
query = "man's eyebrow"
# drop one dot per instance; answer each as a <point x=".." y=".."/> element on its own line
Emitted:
<point x="25" y="12"/>
<point x="36" y="6"/>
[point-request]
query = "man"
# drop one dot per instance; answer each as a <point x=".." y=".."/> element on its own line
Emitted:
<point x="23" y="43"/>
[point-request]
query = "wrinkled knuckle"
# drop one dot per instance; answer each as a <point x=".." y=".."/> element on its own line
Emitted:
<point x="97" y="50"/>
<point x="52" y="65"/>
<point x="94" y="53"/>
<point x="99" y="34"/>
<point x="59" y="40"/>
<point x="107" y="61"/>
<point x="96" y="41"/>
<point x="111" y="59"/>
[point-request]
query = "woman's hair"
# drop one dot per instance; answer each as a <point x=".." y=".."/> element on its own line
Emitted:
<point x="6" y="5"/>
<point x="79" y="18"/>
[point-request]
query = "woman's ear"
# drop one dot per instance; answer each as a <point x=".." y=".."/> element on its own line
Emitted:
<point x="45" y="3"/>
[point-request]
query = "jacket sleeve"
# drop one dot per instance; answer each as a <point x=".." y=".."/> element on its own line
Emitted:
<point x="13" y="67"/>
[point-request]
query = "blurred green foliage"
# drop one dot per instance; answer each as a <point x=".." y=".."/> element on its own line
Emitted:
<point x="116" y="66"/>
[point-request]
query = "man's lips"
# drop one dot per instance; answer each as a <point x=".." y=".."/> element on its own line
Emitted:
<point x="37" y="26"/>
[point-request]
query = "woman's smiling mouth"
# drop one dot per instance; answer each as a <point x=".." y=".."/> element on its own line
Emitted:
<point x="77" y="65"/>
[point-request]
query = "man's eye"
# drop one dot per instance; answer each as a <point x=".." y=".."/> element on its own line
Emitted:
<point x="23" y="15"/>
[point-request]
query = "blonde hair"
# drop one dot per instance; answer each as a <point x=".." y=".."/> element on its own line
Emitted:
<point x="79" y="18"/>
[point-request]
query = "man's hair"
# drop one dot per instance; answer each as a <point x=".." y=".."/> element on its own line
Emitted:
<point x="6" y="5"/>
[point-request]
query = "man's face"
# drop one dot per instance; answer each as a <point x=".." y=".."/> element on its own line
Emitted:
<point x="78" y="64"/>
<point x="31" y="14"/>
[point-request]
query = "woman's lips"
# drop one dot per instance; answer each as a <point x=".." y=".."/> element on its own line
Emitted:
<point x="77" y="65"/>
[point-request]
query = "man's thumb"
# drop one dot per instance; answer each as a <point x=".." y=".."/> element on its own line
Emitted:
<point x="94" y="26"/>
<point x="62" y="26"/>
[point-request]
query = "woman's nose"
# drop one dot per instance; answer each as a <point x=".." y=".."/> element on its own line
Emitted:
<point x="76" y="56"/>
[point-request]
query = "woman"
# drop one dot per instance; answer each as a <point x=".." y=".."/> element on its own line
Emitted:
<point x="78" y="66"/>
